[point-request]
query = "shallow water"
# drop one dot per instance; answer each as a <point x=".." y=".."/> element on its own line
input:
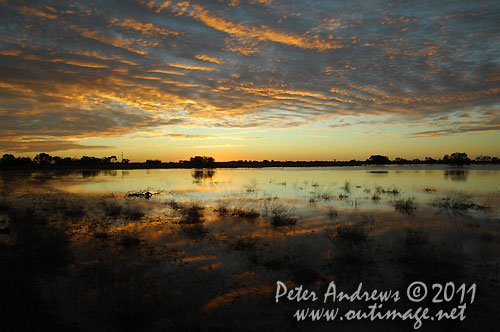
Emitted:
<point x="306" y="189"/>
<point x="383" y="226"/>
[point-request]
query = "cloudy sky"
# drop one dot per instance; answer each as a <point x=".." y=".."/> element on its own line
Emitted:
<point x="261" y="79"/>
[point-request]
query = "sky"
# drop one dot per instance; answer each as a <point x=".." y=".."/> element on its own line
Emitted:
<point x="250" y="80"/>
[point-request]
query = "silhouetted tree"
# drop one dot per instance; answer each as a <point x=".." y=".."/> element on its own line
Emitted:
<point x="457" y="159"/>
<point x="201" y="161"/>
<point x="400" y="160"/>
<point x="378" y="160"/>
<point x="8" y="160"/>
<point x="86" y="160"/>
<point x="484" y="159"/>
<point x="43" y="159"/>
<point x="67" y="161"/>
<point x="108" y="160"/>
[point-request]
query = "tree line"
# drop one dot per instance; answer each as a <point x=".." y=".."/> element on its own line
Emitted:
<point x="46" y="161"/>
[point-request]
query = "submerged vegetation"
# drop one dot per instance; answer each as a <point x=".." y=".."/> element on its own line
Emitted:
<point x="245" y="213"/>
<point x="405" y="205"/>
<point x="279" y="214"/>
<point x="458" y="202"/>
<point x="191" y="213"/>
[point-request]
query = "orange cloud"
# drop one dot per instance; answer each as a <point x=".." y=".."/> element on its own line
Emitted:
<point x="94" y="54"/>
<point x="262" y="33"/>
<point x="81" y="63"/>
<point x="209" y="59"/>
<point x="36" y="12"/>
<point x="144" y="28"/>
<point x="45" y="145"/>
<point x="191" y="67"/>
<point x="147" y="77"/>
<point x="186" y="85"/>
<point x="161" y="71"/>
<point x="113" y="41"/>
<point x="11" y="52"/>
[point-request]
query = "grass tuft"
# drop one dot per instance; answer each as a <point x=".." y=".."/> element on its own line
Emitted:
<point x="406" y="206"/>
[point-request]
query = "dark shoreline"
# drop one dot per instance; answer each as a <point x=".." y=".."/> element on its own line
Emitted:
<point x="44" y="161"/>
<point x="234" y="165"/>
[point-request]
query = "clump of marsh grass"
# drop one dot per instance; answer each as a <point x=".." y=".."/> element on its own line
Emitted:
<point x="421" y="259"/>
<point x="252" y="186"/>
<point x="245" y="213"/>
<point x="375" y="197"/>
<point x="111" y="209"/>
<point x="283" y="218"/>
<point x="342" y="197"/>
<point x="321" y="196"/>
<point x="367" y="220"/>
<point x="191" y="214"/>
<point x="222" y="207"/>
<point x="347" y="187"/>
<point x="269" y="259"/>
<point x="406" y="206"/>
<point x="458" y="202"/>
<point x="243" y="243"/>
<point x="194" y="231"/>
<point x="326" y="197"/>
<point x="352" y="253"/>
<point x="121" y="294"/>
<point x="239" y="211"/>
<point x="174" y="205"/>
<point x="294" y="261"/>
<point x="270" y="199"/>
<point x="332" y="213"/>
<point x="222" y="211"/>
<point x="392" y="191"/>
<point x="301" y="268"/>
<point x="115" y="209"/>
<point x="351" y="235"/>
<point x="38" y="243"/>
<point x="280" y="215"/>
